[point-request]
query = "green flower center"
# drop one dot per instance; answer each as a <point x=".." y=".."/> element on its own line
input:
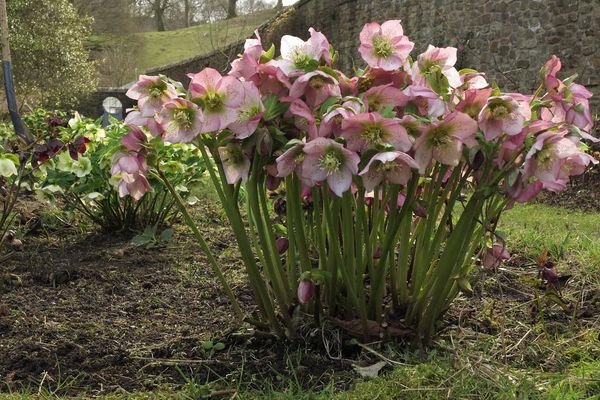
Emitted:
<point x="301" y="60"/>
<point x="249" y="112"/>
<point x="373" y="134"/>
<point x="544" y="156"/>
<point x="440" y="135"/>
<point x="156" y="90"/>
<point x="184" y="117"/>
<point x="332" y="160"/>
<point x="382" y="46"/>
<point x="235" y="155"/>
<point x="387" y="167"/>
<point x="214" y="102"/>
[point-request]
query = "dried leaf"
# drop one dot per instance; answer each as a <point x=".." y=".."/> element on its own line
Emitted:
<point x="371" y="371"/>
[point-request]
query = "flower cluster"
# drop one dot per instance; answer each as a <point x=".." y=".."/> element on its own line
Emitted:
<point x="405" y="137"/>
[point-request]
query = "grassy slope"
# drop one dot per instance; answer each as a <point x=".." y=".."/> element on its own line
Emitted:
<point x="467" y="369"/>
<point x="155" y="49"/>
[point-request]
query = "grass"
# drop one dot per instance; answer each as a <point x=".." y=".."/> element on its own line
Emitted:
<point x="155" y="49"/>
<point x="522" y="357"/>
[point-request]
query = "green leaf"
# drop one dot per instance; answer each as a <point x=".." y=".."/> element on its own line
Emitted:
<point x="166" y="235"/>
<point x="7" y="168"/>
<point x="219" y="346"/>
<point x="273" y="108"/>
<point x="267" y="55"/>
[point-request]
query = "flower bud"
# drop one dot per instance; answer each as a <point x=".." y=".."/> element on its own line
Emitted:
<point x="419" y="209"/>
<point x="282" y="244"/>
<point x="279" y="205"/>
<point x="306" y="291"/>
<point x="550" y="275"/>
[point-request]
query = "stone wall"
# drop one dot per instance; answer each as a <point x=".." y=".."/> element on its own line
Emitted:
<point x="507" y="39"/>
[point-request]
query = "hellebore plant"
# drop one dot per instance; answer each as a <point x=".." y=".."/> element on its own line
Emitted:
<point x="369" y="199"/>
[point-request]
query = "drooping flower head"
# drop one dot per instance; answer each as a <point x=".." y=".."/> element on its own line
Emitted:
<point x="384" y="46"/>
<point x="135" y="118"/>
<point x="219" y="95"/>
<point x="249" y="112"/>
<point x="135" y="140"/>
<point x="327" y="160"/>
<point x="181" y="121"/>
<point x="392" y="166"/>
<point x="425" y="100"/>
<point x="151" y="92"/>
<point x="443" y="141"/>
<point x="493" y="257"/>
<point x="367" y="130"/>
<point x="291" y="161"/>
<point x="236" y="163"/>
<point x="129" y="172"/>
<point x="315" y="87"/>
<point x="378" y="98"/>
<point x="502" y="114"/>
<point x="473" y="101"/>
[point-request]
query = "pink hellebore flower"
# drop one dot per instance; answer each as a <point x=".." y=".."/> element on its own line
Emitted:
<point x="473" y="80"/>
<point x="297" y="54"/>
<point x="135" y="140"/>
<point x="384" y="46"/>
<point x="316" y="87"/>
<point x="367" y="130"/>
<point x="379" y="97"/>
<point x="443" y="141"/>
<point x="332" y="121"/>
<point x="553" y="158"/>
<point x="249" y="113"/>
<point x="235" y="163"/>
<point x="151" y="92"/>
<point x="303" y="116"/>
<point x="220" y="97"/>
<point x="426" y="100"/>
<point x="434" y="62"/>
<point x="131" y="170"/>
<point x="328" y="160"/>
<point x="503" y="114"/>
<point x="493" y="257"/>
<point x="135" y="118"/>
<point x="473" y="101"/>
<point x="393" y="166"/>
<point x="181" y="120"/>
<point x="578" y="108"/>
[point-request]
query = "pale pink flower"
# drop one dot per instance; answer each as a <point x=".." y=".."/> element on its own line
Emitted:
<point x="378" y="98"/>
<point x="473" y="80"/>
<point x="220" y="97"/>
<point x="303" y="117"/>
<point x="297" y="54"/>
<point x="135" y="140"/>
<point x="443" y="141"/>
<point x="553" y="158"/>
<point x="236" y="163"/>
<point x="384" y="46"/>
<point x="578" y="108"/>
<point x="151" y="92"/>
<point x="332" y="120"/>
<point x="436" y="64"/>
<point x="136" y="118"/>
<point x="392" y="166"/>
<point x="514" y="144"/>
<point x="503" y="114"/>
<point x="549" y="71"/>
<point x="249" y="113"/>
<point x="367" y="130"/>
<point x="131" y="170"/>
<point x="493" y="257"/>
<point x="315" y="87"/>
<point x="291" y="161"/>
<point x="327" y="160"/>
<point x="348" y="86"/>
<point x="522" y="190"/>
<point x="473" y="101"/>
<point x="426" y="100"/>
<point x="181" y="120"/>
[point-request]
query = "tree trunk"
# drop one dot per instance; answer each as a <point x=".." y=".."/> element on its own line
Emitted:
<point x="159" y="16"/>
<point x="231" y="13"/>
<point x="187" y="13"/>
<point x="279" y="5"/>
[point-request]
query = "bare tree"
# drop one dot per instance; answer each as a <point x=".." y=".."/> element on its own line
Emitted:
<point x="279" y="5"/>
<point x="231" y="9"/>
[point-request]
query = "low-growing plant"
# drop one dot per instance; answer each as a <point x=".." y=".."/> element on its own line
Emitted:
<point x="85" y="183"/>
<point x="369" y="199"/>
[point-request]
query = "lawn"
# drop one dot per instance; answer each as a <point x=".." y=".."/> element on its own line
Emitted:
<point x="155" y="49"/>
<point x="510" y="339"/>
